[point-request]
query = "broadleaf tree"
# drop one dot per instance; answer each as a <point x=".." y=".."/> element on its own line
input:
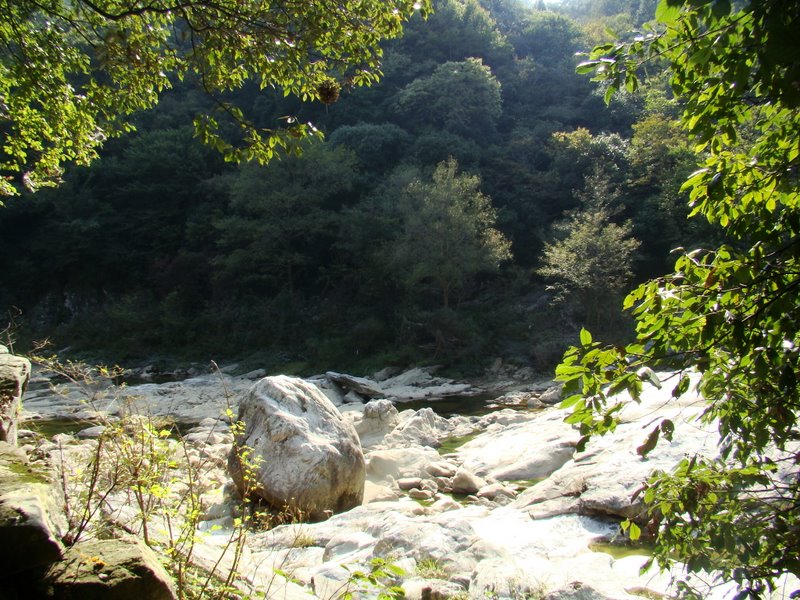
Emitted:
<point x="72" y="72"/>
<point x="591" y="256"/>
<point x="730" y="313"/>
<point x="447" y="233"/>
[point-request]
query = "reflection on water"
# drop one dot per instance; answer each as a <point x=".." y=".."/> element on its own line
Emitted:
<point x="50" y="427"/>
<point x="463" y="405"/>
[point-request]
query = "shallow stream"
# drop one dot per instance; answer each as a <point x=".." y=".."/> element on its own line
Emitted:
<point x="465" y="405"/>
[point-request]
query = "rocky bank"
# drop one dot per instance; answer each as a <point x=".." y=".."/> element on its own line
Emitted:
<point x="512" y="512"/>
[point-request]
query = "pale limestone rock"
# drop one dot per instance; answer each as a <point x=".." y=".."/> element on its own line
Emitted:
<point x="90" y="433"/>
<point x="413" y="377"/>
<point x="352" y="397"/>
<point x="334" y="393"/>
<point x="346" y="545"/>
<point x="493" y="490"/>
<point x="330" y="581"/>
<point x="442" y="468"/>
<point x="382" y="411"/>
<point x="311" y="458"/>
<point x="385" y="374"/>
<point x="552" y="395"/>
<point x="418" y="384"/>
<point x="417" y="588"/>
<point x="577" y="590"/>
<point x="465" y="482"/>
<point x="424" y="428"/>
<point x="522" y="451"/>
<point x="409" y="483"/>
<point x="375" y="492"/>
<point x="444" y="504"/>
<point x="602" y="479"/>
<point x="418" y="494"/>
<point x="444" y="484"/>
<point x="187" y="401"/>
<point x="378" y="419"/>
<point x="360" y="385"/>
<point x="401" y="462"/>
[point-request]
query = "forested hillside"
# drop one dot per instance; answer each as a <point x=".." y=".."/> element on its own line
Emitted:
<point x="481" y="201"/>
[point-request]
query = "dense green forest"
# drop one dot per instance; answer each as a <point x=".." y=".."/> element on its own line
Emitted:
<point x="481" y="201"/>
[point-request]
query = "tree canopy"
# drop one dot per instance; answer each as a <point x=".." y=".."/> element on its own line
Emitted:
<point x="730" y="312"/>
<point x="73" y="71"/>
<point x="159" y="229"/>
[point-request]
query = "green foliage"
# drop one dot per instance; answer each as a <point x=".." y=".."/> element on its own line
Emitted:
<point x="592" y="256"/>
<point x="278" y="227"/>
<point x="379" y="580"/>
<point x="448" y="233"/>
<point x="458" y="97"/>
<point x="377" y="146"/>
<point x="456" y="31"/>
<point x="593" y="260"/>
<point x="283" y="261"/>
<point x="729" y="313"/>
<point x="430" y="568"/>
<point x="72" y="73"/>
<point x="548" y="37"/>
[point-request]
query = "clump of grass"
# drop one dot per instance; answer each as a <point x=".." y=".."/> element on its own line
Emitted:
<point x="430" y="568"/>
<point x="303" y="539"/>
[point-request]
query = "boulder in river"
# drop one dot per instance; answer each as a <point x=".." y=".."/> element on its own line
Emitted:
<point x="309" y="456"/>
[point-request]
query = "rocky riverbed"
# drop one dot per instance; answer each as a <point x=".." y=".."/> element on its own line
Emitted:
<point x="499" y="505"/>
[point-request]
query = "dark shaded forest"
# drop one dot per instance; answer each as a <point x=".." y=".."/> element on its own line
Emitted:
<point x="481" y="201"/>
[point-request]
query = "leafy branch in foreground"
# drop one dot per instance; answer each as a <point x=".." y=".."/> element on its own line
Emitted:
<point x="72" y="72"/>
<point x="731" y="313"/>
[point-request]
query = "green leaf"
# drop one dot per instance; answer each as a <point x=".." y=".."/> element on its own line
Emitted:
<point x="581" y="445"/>
<point x="586" y="337"/>
<point x="587" y="67"/>
<point x="568" y="371"/>
<point x="649" y="443"/>
<point x="721" y="8"/>
<point x="667" y="12"/>
<point x="571" y="401"/>
<point x="682" y="387"/>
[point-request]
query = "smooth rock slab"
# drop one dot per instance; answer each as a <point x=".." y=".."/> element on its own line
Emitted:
<point x="360" y="385"/>
<point x="309" y="457"/>
<point x="32" y="523"/>
<point x="522" y="451"/>
<point x="15" y="372"/>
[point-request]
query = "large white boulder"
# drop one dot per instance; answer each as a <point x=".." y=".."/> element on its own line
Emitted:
<point x="309" y="456"/>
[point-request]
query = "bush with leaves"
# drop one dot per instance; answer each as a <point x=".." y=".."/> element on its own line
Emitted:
<point x="730" y="313"/>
